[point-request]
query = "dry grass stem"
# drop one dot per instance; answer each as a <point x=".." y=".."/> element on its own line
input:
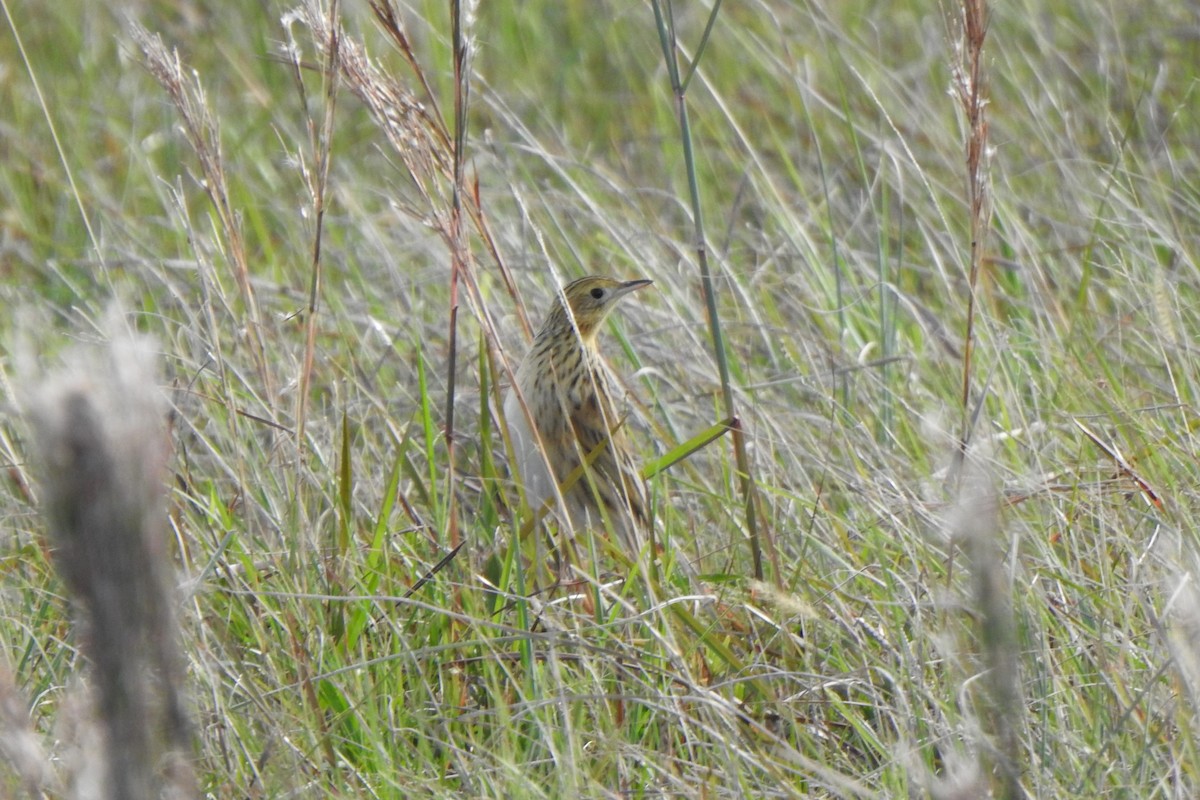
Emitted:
<point x="203" y="132"/>
<point x="970" y="87"/>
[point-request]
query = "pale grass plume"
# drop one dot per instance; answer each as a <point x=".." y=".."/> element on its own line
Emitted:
<point x="973" y="526"/>
<point x="414" y="132"/>
<point x="100" y="447"/>
<point x="19" y="743"/>
<point x="1182" y="629"/>
<point x="203" y="132"/>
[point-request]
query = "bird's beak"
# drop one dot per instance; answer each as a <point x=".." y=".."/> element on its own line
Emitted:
<point x="632" y="286"/>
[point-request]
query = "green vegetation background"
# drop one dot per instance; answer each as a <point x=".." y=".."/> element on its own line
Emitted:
<point x="830" y="160"/>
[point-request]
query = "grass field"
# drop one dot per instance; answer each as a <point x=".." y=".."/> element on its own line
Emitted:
<point x="972" y="468"/>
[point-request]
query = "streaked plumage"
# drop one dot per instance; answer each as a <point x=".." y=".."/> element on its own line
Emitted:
<point x="570" y="396"/>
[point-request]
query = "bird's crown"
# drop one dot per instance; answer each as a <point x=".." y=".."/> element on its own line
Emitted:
<point x="590" y="300"/>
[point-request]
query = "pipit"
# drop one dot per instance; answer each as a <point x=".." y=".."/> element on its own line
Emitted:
<point x="568" y="393"/>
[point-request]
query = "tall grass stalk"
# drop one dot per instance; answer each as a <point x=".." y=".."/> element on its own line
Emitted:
<point x="64" y="161"/>
<point x="203" y="130"/>
<point x="320" y="143"/>
<point x="971" y="90"/>
<point x="665" y="22"/>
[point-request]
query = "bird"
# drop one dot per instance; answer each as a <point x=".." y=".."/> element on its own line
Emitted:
<point x="561" y="414"/>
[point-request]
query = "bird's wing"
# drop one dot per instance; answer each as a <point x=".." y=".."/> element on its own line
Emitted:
<point x="602" y="439"/>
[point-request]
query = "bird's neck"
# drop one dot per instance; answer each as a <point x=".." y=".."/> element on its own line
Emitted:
<point x="561" y="329"/>
<point x="560" y="342"/>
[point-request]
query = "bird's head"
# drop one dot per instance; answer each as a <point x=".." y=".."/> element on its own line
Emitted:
<point x="591" y="300"/>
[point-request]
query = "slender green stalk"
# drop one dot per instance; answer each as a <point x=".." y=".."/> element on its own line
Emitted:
<point x="58" y="145"/>
<point x="666" y="33"/>
<point x="458" y="254"/>
<point x="322" y="151"/>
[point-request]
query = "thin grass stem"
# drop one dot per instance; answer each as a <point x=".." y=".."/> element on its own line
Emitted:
<point x="664" y="18"/>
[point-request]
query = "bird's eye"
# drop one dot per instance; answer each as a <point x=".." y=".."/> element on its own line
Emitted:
<point x="598" y="293"/>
